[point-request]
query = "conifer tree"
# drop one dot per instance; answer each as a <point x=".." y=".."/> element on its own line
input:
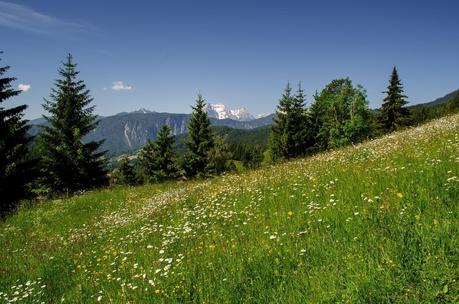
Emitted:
<point x="158" y="158"/>
<point x="16" y="169"/>
<point x="148" y="161"/>
<point x="289" y="133"/>
<point x="200" y="140"/>
<point x="280" y="142"/>
<point x="317" y="118"/>
<point x="220" y="157"/>
<point x="299" y="125"/>
<point x="126" y="172"/>
<point x="393" y="113"/>
<point x="69" y="164"/>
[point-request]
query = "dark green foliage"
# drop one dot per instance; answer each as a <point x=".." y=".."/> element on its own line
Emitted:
<point x="290" y="135"/>
<point x="339" y="115"/>
<point x="220" y="157"/>
<point x="69" y="164"/>
<point x="251" y="156"/>
<point x="158" y="158"/>
<point x="16" y="169"/>
<point x="147" y="160"/>
<point x="200" y="141"/>
<point x="112" y="129"/>
<point x="126" y="173"/>
<point x="281" y="141"/>
<point x="393" y="113"/>
<point x="300" y="126"/>
<point x="444" y="106"/>
<point x="253" y="137"/>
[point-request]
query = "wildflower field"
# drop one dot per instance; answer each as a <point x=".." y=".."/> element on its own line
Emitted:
<point x="373" y="223"/>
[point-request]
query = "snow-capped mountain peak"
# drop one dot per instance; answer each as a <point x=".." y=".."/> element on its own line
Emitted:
<point x="143" y="110"/>
<point x="220" y="111"/>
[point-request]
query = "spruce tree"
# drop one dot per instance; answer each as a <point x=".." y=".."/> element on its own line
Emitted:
<point x="158" y="158"/>
<point x="220" y="157"/>
<point x="299" y="125"/>
<point x="148" y="161"/>
<point x="16" y="169"/>
<point x="200" y="140"/>
<point x="317" y="118"/>
<point x="70" y="164"/>
<point x="126" y="174"/>
<point x="281" y="141"/>
<point x="393" y="113"/>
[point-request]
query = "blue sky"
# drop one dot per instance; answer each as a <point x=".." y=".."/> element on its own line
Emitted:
<point x="159" y="54"/>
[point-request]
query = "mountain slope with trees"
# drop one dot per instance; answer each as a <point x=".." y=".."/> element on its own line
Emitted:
<point x="371" y="223"/>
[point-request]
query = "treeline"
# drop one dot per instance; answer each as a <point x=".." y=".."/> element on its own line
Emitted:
<point x="60" y="162"/>
<point x="423" y="113"/>
<point x="339" y="115"/>
<point x="206" y="155"/>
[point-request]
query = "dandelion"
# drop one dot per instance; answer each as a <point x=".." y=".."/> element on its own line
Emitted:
<point x="399" y="195"/>
<point x="290" y="213"/>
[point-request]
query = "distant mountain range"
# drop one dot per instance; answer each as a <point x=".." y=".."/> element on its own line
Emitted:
<point x="217" y="111"/>
<point x="438" y="101"/>
<point x="129" y="131"/>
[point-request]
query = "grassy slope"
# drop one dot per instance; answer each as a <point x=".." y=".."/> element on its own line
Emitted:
<point x="373" y="223"/>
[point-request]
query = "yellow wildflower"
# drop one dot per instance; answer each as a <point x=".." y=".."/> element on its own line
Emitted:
<point x="399" y="194"/>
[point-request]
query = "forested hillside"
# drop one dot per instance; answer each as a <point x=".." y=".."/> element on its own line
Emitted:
<point x="371" y="223"/>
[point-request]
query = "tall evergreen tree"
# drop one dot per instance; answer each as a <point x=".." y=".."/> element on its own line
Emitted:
<point x="317" y="118"/>
<point x="200" y="140"/>
<point x="281" y="141"/>
<point x="16" y="169"/>
<point x="299" y="125"/>
<point x="289" y="133"/>
<point x="148" y="156"/>
<point x="69" y="164"/>
<point x="393" y="113"/>
<point x="158" y="158"/>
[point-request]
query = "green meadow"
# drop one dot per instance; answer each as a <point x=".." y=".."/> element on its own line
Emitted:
<point x="372" y="223"/>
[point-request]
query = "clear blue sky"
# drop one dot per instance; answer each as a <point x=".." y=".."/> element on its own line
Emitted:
<point x="240" y="53"/>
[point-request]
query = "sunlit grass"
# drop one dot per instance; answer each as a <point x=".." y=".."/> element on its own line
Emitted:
<point x="372" y="223"/>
